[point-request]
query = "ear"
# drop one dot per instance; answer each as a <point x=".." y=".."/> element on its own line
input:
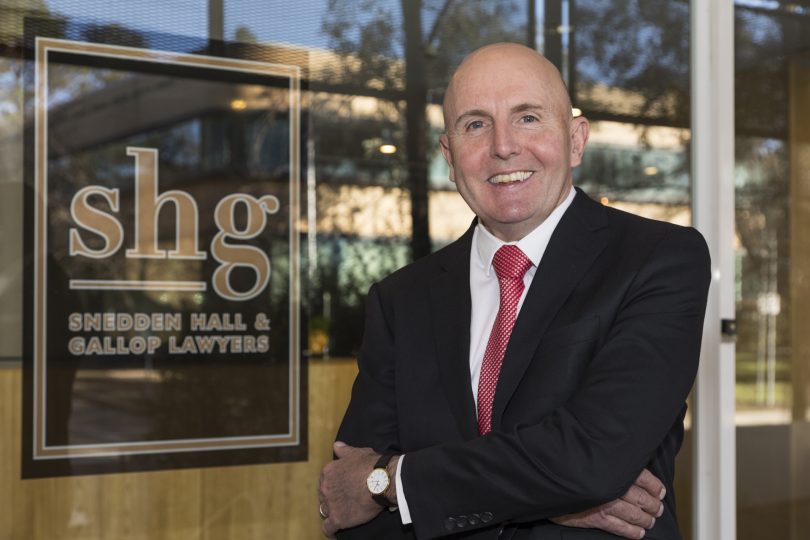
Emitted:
<point x="444" y="144"/>
<point x="579" y="138"/>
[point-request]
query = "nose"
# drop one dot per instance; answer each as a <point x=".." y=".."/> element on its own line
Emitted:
<point x="504" y="142"/>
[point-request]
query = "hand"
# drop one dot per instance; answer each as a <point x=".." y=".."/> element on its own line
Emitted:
<point x="627" y="516"/>
<point x="344" y="497"/>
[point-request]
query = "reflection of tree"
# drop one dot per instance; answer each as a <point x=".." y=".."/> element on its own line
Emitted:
<point x="762" y="225"/>
<point x="373" y="47"/>
<point x="765" y="41"/>
<point x="366" y="48"/>
<point x="636" y="46"/>
<point x="459" y="27"/>
<point x="632" y="66"/>
<point x="12" y="91"/>
<point x="114" y="34"/>
<point x="12" y="19"/>
<point x="403" y="58"/>
<point x="342" y="281"/>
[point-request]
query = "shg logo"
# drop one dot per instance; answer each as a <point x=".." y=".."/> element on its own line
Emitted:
<point x="149" y="202"/>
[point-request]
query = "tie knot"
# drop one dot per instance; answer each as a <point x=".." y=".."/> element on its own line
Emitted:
<point x="510" y="262"/>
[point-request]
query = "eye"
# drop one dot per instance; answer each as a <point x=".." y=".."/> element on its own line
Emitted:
<point x="528" y="119"/>
<point x="475" y="124"/>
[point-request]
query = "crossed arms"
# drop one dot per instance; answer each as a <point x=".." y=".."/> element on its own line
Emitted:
<point x="622" y="417"/>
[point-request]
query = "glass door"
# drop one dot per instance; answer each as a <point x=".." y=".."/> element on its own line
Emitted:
<point x="772" y="259"/>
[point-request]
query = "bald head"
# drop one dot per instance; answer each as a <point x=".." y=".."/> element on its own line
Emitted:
<point x="504" y="62"/>
<point x="510" y="140"/>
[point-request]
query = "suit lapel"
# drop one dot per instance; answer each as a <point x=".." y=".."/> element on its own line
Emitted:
<point x="451" y="308"/>
<point x="574" y="245"/>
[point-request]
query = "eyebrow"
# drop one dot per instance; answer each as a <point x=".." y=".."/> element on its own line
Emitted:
<point x="527" y="107"/>
<point x="522" y="107"/>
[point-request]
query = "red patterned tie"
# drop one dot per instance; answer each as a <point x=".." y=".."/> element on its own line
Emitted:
<point x="510" y="265"/>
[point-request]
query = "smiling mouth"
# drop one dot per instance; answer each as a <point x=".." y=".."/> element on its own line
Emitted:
<point x="517" y="176"/>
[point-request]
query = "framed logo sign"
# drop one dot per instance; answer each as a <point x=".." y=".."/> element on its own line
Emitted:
<point x="162" y="274"/>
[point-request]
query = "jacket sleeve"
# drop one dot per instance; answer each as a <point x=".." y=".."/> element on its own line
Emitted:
<point x="589" y="450"/>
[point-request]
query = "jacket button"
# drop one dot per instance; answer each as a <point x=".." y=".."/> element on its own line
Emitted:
<point x="449" y="524"/>
<point x="461" y="522"/>
<point x="474" y="519"/>
<point x="486" y="517"/>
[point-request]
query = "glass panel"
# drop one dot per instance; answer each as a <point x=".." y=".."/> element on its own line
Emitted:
<point x="772" y="104"/>
<point x="375" y="196"/>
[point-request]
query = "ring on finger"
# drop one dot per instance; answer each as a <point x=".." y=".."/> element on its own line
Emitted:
<point x="321" y="511"/>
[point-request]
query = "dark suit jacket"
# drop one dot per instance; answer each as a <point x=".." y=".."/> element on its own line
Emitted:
<point x="592" y="388"/>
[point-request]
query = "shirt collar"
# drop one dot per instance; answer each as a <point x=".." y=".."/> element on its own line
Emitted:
<point x="533" y="244"/>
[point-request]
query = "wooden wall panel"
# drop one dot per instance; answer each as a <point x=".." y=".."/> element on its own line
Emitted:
<point x="228" y="503"/>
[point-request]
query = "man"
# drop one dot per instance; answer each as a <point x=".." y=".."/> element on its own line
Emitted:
<point x="505" y="386"/>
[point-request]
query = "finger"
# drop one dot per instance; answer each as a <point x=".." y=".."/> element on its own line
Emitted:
<point x="622" y="528"/>
<point x="640" y="498"/>
<point x="630" y="514"/>
<point x="324" y="481"/>
<point x="341" y="449"/>
<point x="651" y="484"/>
<point x="329" y="528"/>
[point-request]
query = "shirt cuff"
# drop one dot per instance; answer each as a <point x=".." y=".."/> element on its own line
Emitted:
<point x="402" y="504"/>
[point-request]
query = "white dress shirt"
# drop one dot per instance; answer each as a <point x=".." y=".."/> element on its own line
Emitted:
<point x="485" y="295"/>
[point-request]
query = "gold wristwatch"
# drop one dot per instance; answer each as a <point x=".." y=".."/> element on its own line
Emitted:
<point x="378" y="481"/>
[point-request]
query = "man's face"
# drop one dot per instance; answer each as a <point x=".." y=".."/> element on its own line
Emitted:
<point x="510" y="141"/>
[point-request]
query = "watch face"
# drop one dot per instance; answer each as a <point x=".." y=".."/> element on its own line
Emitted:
<point x="377" y="481"/>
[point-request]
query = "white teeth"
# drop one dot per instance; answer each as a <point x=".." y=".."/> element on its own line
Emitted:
<point x="517" y="176"/>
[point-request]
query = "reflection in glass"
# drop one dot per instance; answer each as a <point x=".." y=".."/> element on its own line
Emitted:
<point x="157" y="175"/>
<point x="377" y="69"/>
<point x="772" y="260"/>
